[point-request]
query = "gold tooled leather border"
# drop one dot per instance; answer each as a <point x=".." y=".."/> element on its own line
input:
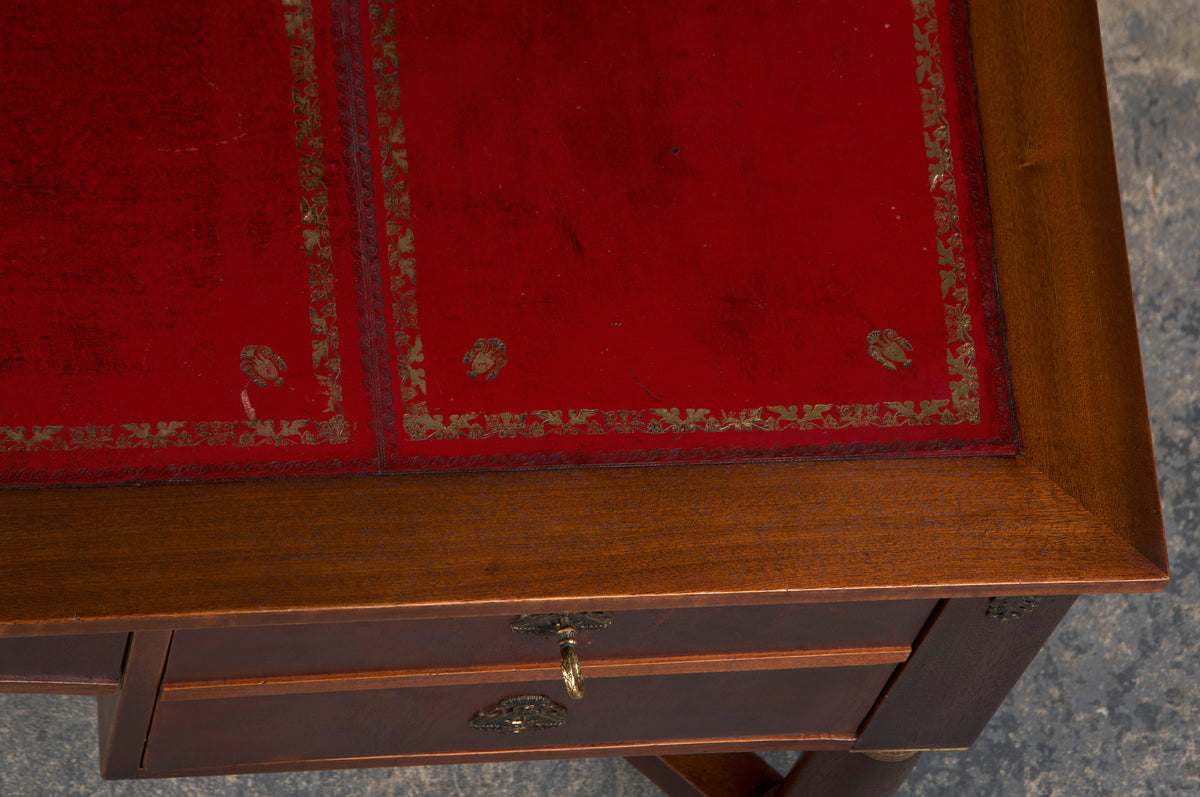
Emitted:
<point x="314" y="218"/>
<point x="960" y="407"/>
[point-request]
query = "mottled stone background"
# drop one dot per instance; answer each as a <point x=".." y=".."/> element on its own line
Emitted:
<point x="1110" y="707"/>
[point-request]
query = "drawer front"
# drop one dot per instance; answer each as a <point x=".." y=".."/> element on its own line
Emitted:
<point x="79" y="664"/>
<point x="232" y="654"/>
<point x="274" y="729"/>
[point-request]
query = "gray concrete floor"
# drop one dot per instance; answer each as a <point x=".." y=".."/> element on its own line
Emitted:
<point x="1110" y="707"/>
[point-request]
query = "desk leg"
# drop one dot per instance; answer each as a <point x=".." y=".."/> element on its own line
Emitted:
<point x="816" y="774"/>
<point x="711" y="775"/>
<point x="963" y="665"/>
<point x="829" y="773"/>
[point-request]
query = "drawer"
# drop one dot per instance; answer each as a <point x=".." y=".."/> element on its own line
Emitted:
<point x="747" y="707"/>
<point x="251" y="653"/>
<point x="86" y="664"/>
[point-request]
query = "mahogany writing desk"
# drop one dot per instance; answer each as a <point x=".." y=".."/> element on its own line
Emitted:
<point x="384" y="552"/>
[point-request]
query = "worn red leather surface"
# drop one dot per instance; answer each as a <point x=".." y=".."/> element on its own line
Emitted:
<point x="170" y="204"/>
<point x="252" y="239"/>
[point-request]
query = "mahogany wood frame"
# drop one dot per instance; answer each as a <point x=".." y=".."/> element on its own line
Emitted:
<point x="1076" y="511"/>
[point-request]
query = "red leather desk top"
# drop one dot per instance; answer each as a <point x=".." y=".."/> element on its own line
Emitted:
<point x="248" y="239"/>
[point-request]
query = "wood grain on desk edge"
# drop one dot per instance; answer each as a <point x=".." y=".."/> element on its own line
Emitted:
<point x="176" y="556"/>
<point x="1063" y="273"/>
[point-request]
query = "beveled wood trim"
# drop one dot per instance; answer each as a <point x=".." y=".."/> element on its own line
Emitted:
<point x="435" y="545"/>
<point x="1063" y="272"/>
<point x="593" y="668"/>
<point x="713" y="775"/>
<point x="59" y="687"/>
<point x="699" y="746"/>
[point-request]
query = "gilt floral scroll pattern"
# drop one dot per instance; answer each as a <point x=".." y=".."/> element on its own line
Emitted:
<point x="662" y="420"/>
<point x="960" y="356"/>
<point x="314" y="205"/>
<point x="420" y="423"/>
<point x="393" y="157"/>
<point x="314" y="218"/>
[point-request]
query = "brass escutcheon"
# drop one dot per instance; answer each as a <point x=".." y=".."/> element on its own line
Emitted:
<point x="1012" y="607"/>
<point x="520" y="715"/>
<point x="563" y="627"/>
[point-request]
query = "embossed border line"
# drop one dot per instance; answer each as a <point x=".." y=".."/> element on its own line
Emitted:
<point x="960" y="407"/>
<point x="314" y="216"/>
